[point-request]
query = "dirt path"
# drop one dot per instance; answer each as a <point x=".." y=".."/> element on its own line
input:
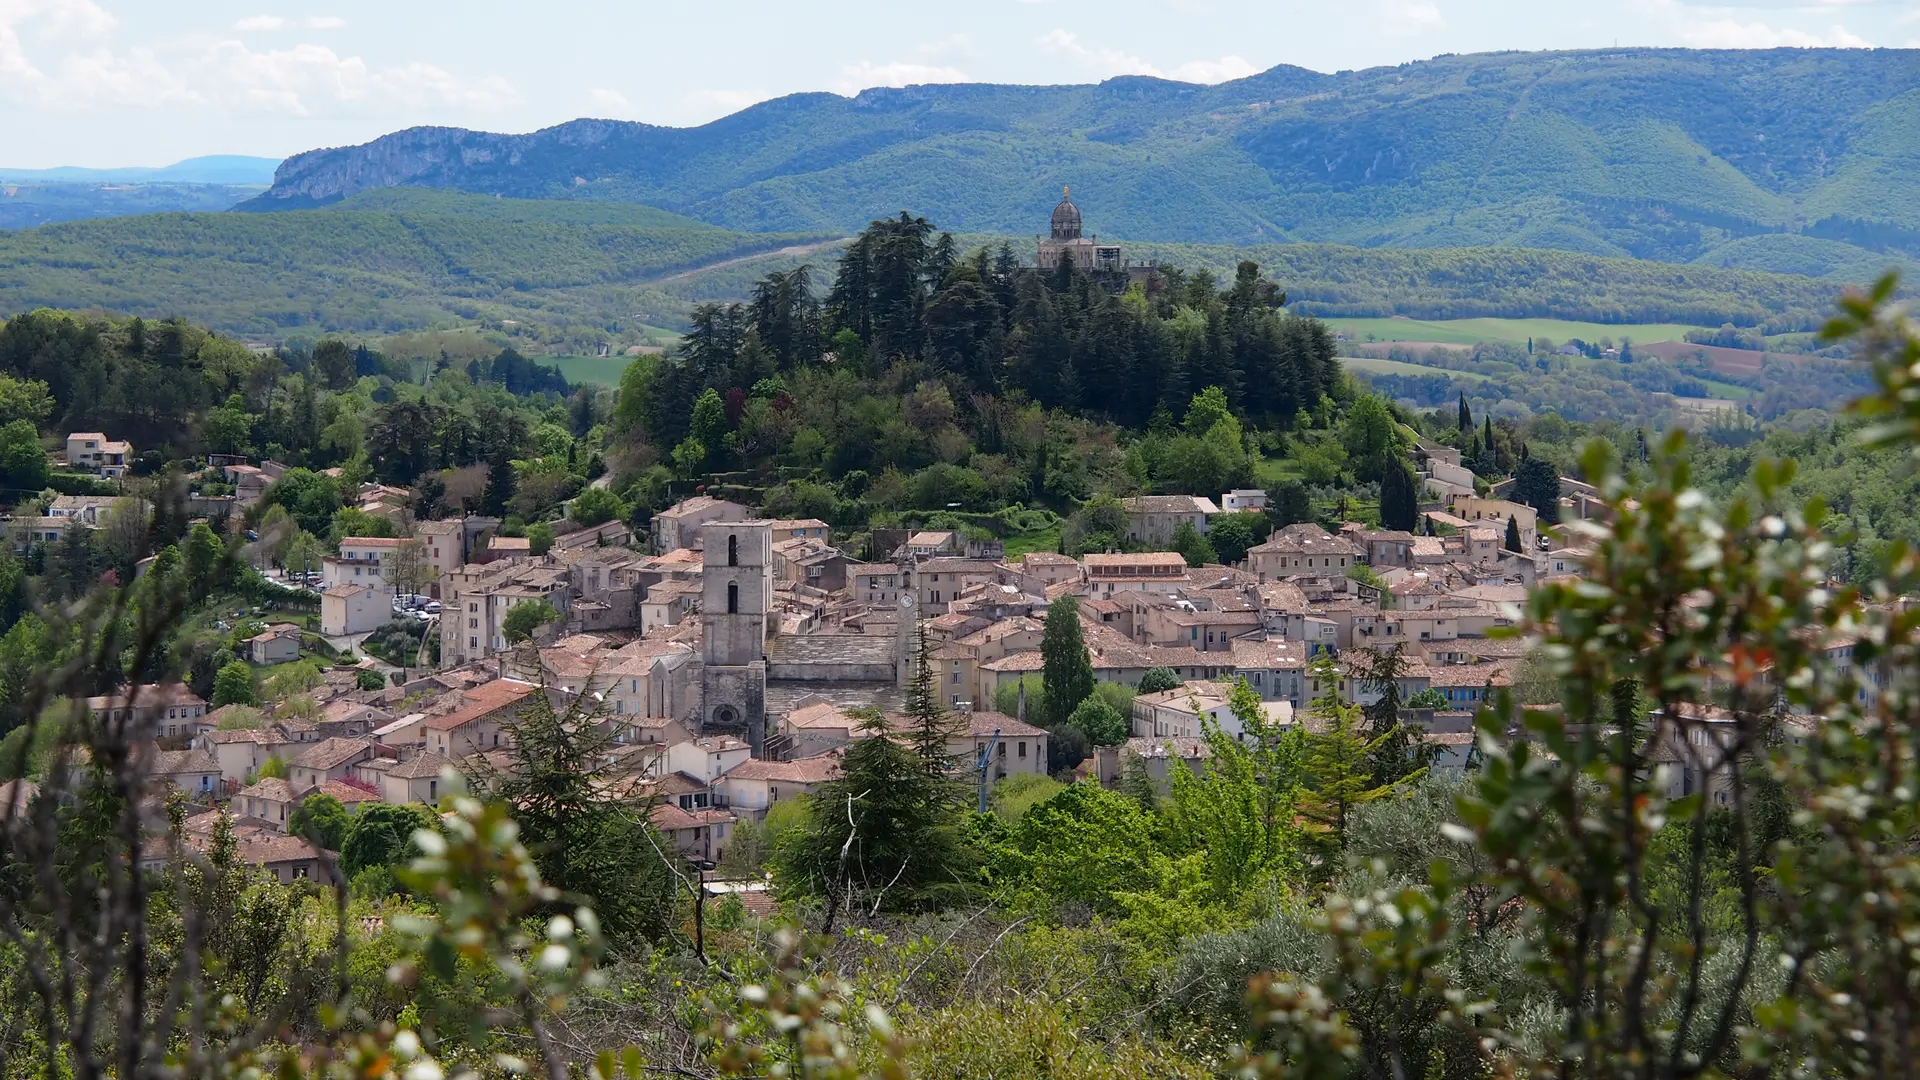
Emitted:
<point x="798" y="249"/>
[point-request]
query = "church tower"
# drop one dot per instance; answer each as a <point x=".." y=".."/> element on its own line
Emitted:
<point x="736" y="589"/>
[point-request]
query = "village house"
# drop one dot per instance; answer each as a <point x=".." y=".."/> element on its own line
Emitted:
<point x="1152" y="519"/>
<point x="477" y="724"/>
<point x="164" y="708"/>
<point x="413" y="780"/>
<point x="1303" y="550"/>
<point x="1163" y="572"/>
<point x="679" y="526"/>
<point x="941" y="581"/>
<point x="346" y="610"/>
<point x="753" y="786"/>
<point x="92" y="451"/>
<point x="328" y="759"/>
<point x="1242" y="500"/>
<point x="277" y="644"/>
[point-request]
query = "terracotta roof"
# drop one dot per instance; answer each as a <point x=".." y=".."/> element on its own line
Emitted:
<point x="147" y="696"/>
<point x="820" y="714"/>
<point x="1468" y="675"/>
<point x="479" y="702"/>
<point x="670" y="818"/>
<point x="817" y="769"/>
<point x="332" y="753"/>
<point x="1169" y="504"/>
<point x="1182" y="746"/>
<point x="273" y="789"/>
<point x="176" y="762"/>
<point x="956" y="566"/>
<point x="349" y="794"/>
<point x="1047" y="558"/>
<point x="1139" y="558"/>
<point x="981" y="724"/>
<point x="243" y="735"/>
<point x="264" y="849"/>
<point x="1306" y="539"/>
<point x="1251" y="653"/>
<point x="420" y="766"/>
<point x="373" y="541"/>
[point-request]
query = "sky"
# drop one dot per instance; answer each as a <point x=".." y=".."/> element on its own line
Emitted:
<point x="109" y="83"/>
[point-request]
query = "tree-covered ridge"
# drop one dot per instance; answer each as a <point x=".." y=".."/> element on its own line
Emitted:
<point x="1663" y="153"/>
<point x="408" y="261"/>
<point x="572" y="275"/>
<point x="971" y="343"/>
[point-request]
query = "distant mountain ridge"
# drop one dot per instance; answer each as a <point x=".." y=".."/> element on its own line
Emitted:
<point x="1791" y="160"/>
<point x="232" y="169"/>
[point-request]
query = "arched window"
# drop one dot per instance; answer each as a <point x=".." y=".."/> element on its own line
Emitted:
<point x="733" y="550"/>
<point x="733" y="598"/>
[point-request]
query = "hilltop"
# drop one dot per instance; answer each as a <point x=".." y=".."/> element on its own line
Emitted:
<point x="1790" y="160"/>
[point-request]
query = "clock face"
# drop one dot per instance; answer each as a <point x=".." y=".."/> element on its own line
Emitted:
<point x="906" y="600"/>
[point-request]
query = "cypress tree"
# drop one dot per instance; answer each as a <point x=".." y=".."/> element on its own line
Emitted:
<point x="1466" y="414"/>
<point x="1399" y="497"/>
<point x="1513" y="534"/>
<point x="1065" y="665"/>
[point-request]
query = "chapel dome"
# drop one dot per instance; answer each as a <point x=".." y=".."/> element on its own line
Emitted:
<point x="1066" y="219"/>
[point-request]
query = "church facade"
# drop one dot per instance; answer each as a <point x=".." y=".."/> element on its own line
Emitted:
<point x="1067" y="243"/>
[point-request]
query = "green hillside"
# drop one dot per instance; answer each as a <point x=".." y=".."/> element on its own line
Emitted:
<point x="384" y="261"/>
<point x="1664" y="154"/>
<point x="566" y="276"/>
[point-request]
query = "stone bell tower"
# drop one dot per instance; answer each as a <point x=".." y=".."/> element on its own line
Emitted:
<point x="736" y="589"/>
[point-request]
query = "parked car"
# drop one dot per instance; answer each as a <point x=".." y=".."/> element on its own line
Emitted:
<point x="433" y="607"/>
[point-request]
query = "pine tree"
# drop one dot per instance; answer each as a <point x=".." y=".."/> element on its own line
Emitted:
<point x="886" y="834"/>
<point x="1338" y="760"/>
<point x="1065" y="664"/>
<point x="933" y="727"/>
<point x="582" y="819"/>
<point x="501" y="484"/>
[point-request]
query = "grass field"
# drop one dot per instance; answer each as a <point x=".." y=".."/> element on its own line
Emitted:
<point x="1517" y="331"/>
<point x="1395" y="367"/>
<point x="600" y="370"/>
<point x="1021" y="544"/>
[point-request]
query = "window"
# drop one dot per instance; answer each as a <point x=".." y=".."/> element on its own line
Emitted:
<point x="1023" y="749"/>
<point x="433" y="790"/>
<point x="300" y="871"/>
<point x="1003" y="750"/>
<point x="733" y="550"/>
<point x="733" y="596"/>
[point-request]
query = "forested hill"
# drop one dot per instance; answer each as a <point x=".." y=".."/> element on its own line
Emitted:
<point x="574" y="274"/>
<point x="1791" y="160"/>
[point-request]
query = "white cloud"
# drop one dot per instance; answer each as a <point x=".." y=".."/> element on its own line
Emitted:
<point x="612" y="101"/>
<point x="254" y="23"/>
<point x="1405" y="18"/>
<point x="1733" y="34"/>
<point x="1104" y="61"/>
<point x="325" y="22"/>
<point x="1225" y="69"/>
<point x="857" y="77"/>
<point x="300" y="80"/>
<point x="59" y="54"/>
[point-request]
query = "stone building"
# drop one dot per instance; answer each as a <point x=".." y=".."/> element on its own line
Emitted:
<point x="1066" y="242"/>
<point x="736" y="589"/>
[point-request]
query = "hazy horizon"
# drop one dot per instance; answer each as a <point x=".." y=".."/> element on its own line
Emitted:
<point x="107" y="83"/>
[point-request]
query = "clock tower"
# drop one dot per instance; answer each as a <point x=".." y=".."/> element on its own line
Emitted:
<point x="736" y="589"/>
<point x="906" y="640"/>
